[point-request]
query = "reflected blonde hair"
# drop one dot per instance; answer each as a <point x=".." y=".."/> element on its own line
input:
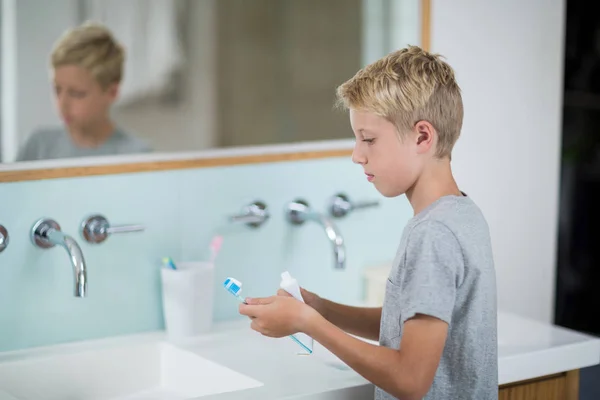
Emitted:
<point x="93" y="47"/>
<point x="407" y="86"/>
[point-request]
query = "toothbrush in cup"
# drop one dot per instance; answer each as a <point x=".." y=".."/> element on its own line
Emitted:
<point x="168" y="263"/>
<point x="215" y="247"/>
<point x="234" y="287"/>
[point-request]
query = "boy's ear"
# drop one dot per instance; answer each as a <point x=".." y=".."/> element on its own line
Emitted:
<point x="425" y="133"/>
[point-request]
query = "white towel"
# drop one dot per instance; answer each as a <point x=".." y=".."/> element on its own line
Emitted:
<point x="147" y="29"/>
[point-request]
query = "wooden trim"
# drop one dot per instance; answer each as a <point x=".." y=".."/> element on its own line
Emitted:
<point x="153" y="166"/>
<point x="562" y="386"/>
<point x="533" y="380"/>
<point x="572" y="385"/>
<point x="94" y="170"/>
<point x="426" y="25"/>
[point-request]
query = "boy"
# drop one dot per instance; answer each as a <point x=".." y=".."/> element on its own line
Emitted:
<point x="437" y="327"/>
<point x="87" y="67"/>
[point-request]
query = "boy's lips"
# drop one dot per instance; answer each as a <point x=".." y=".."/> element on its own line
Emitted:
<point x="369" y="176"/>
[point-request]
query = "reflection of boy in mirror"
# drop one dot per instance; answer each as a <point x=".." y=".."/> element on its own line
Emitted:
<point x="87" y="66"/>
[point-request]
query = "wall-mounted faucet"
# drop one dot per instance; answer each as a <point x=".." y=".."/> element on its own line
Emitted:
<point x="253" y="215"/>
<point x="96" y="229"/>
<point x="46" y="233"/>
<point x="340" y="205"/>
<point x="298" y="212"/>
<point x="3" y="238"/>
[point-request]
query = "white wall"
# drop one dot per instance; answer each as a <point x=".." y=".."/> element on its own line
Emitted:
<point x="508" y="59"/>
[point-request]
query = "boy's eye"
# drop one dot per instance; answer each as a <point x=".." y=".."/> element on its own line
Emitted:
<point x="369" y="140"/>
<point x="77" y="94"/>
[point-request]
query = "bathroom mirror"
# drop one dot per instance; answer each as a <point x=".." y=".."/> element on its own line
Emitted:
<point x="206" y="82"/>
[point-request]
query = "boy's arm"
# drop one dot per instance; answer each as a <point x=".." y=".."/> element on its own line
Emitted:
<point x="359" y="321"/>
<point x="407" y="373"/>
<point x="421" y="302"/>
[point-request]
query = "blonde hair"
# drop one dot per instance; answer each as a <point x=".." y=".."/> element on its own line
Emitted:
<point x="407" y="86"/>
<point x="93" y="47"/>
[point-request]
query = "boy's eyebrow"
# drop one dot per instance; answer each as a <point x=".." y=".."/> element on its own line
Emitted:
<point x="363" y="130"/>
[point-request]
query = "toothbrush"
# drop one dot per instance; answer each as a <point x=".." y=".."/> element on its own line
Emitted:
<point x="234" y="287"/>
<point x="168" y="262"/>
<point x="215" y="246"/>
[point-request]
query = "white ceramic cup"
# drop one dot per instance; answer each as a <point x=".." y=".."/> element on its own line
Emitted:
<point x="187" y="297"/>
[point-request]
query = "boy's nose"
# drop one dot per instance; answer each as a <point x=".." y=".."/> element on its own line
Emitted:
<point x="357" y="157"/>
<point x="62" y="102"/>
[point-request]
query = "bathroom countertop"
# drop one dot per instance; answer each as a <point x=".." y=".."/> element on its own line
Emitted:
<point x="527" y="349"/>
<point x="275" y="363"/>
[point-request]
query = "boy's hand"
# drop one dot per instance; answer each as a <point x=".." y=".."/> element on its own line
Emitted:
<point x="277" y="316"/>
<point x="310" y="298"/>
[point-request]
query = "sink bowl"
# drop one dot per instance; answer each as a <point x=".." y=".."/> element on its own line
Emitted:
<point x="151" y="371"/>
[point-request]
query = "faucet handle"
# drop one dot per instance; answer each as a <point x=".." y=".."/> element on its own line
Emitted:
<point x="40" y="231"/>
<point x="340" y="205"/>
<point x="96" y="229"/>
<point x="253" y="215"/>
<point x="298" y="211"/>
<point x="3" y="238"/>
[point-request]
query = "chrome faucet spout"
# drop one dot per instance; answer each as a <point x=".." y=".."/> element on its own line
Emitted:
<point x="46" y="234"/>
<point x="334" y="236"/>
<point x="76" y="257"/>
<point x="299" y="212"/>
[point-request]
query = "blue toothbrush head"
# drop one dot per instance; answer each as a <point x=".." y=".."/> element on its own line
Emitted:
<point x="233" y="286"/>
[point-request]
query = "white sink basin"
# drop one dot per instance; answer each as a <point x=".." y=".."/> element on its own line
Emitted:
<point x="153" y="371"/>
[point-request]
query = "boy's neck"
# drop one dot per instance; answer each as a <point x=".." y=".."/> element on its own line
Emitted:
<point x="435" y="182"/>
<point x="93" y="136"/>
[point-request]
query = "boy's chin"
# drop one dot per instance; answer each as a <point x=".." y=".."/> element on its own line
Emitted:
<point x="390" y="192"/>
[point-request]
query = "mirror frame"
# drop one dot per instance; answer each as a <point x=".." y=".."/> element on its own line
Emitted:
<point x="134" y="163"/>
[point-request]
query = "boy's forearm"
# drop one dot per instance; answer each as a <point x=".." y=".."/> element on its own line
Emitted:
<point x="380" y="365"/>
<point x="359" y="321"/>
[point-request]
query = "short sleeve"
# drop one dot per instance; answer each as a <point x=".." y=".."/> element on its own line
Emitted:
<point x="130" y="144"/>
<point x="434" y="260"/>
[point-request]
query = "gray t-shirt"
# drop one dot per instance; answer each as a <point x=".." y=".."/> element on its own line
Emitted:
<point x="57" y="143"/>
<point x="444" y="268"/>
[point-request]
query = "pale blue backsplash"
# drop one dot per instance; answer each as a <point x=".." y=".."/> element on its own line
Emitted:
<point x="182" y="211"/>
